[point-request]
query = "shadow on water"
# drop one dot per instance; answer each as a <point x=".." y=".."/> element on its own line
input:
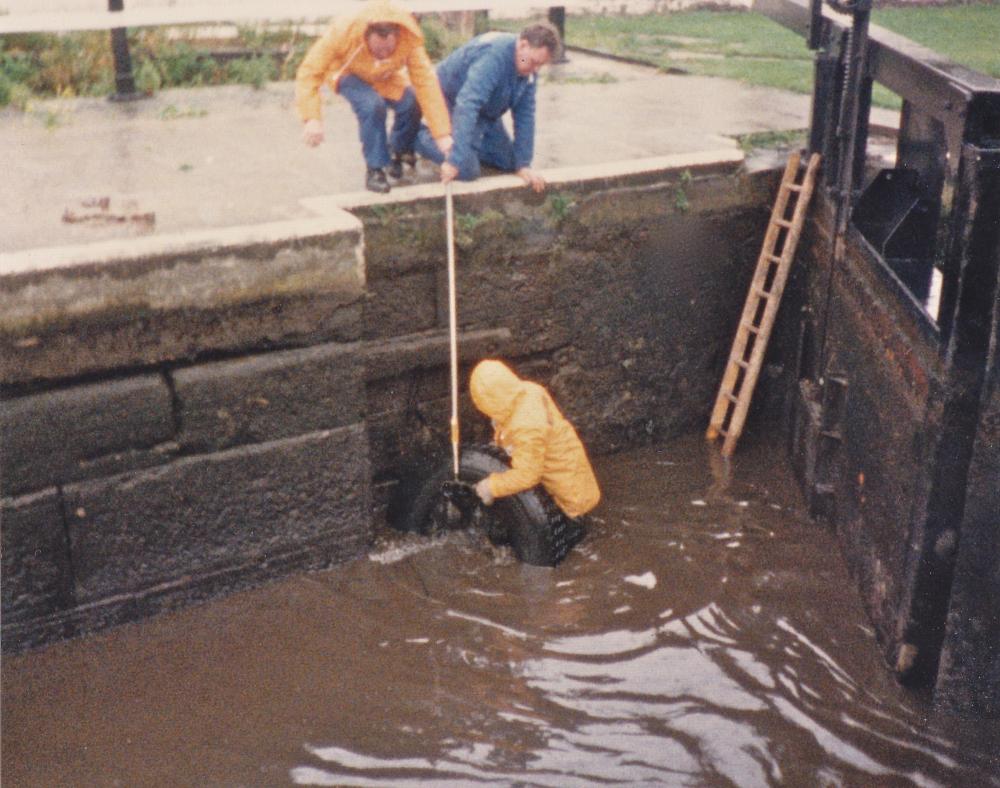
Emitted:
<point x="705" y="633"/>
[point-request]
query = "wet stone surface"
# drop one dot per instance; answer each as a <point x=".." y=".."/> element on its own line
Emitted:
<point x="704" y="633"/>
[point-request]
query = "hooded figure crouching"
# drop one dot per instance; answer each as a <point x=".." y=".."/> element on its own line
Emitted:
<point x="543" y="446"/>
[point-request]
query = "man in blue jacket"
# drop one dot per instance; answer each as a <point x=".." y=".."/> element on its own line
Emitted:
<point x="481" y="81"/>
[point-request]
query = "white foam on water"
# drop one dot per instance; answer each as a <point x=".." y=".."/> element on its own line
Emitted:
<point x="647" y="580"/>
<point x="397" y="552"/>
<point x="487" y="623"/>
<point x="480" y="592"/>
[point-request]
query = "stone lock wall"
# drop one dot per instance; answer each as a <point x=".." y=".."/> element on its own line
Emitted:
<point x="183" y="416"/>
<point x="152" y="455"/>
<point x="618" y="300"/>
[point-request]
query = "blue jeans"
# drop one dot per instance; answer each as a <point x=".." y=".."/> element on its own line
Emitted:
<point x="370" y="109"/>
<point x="491" y="145"/>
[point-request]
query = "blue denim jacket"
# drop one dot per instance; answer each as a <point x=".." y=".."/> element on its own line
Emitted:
<point x="480" y="83"/>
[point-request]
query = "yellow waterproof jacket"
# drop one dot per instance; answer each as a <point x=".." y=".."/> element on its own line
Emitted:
<point x="342" y="50"/>
<point x="543" y="446"/>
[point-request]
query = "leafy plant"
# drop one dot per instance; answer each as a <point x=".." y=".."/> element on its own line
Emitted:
<point x="439" y="41"/>
<point x="466" y="224"/>
<point x="147" y="77"/>
<point x="185" y="65"/>
<point x="14" y="95"/>
<point x="254" y="71"/>
<point x="559" y="205"/>
<point x="681" y="202"/>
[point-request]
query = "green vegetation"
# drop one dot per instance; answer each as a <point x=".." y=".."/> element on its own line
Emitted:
<point x="772" y="139"/>
<point x="81" y="64"/>
<point x="734" y="44"/>
<point x="681" y="201"/>
<point x="559" y="205"/>
<point x="604" y="78"/>
<point x="171" y="112"/>
<point x="439" y="41"/>
<point x="751" y="48"/>
<point x="466" y="225"/>
<point x="254" y="71"/>
<point x="967" y="34"/>
<point x="53" y="65"/>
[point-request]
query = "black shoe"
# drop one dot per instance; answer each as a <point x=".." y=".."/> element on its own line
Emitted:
<point x="395" y="168"/>
<point x="376" y="181"/>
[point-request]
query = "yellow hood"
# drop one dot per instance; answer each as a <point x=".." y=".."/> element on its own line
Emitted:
<point x="341" y="50"/>
<point x="381" y="12"/>
<point x="494" y="388"/>
<point x="543" y="446"/>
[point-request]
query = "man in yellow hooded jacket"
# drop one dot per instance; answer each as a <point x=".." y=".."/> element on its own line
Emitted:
<point x="543" y="446"/>
<point x="376" y="60"/>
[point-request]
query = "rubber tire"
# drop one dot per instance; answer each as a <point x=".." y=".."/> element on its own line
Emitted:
<point x="522" y="521"/>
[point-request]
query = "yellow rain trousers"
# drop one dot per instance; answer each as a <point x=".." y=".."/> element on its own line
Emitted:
<point x="342" y="50"/>
<point x="543" y="446"/>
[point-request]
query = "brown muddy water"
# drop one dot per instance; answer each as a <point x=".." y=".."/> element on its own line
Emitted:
<point x="705" y="633"/>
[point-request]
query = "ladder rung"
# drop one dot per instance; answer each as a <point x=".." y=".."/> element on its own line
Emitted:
<point x="751" y="328"/>
<point x="741" y="363"/>
<point x="794" y="187"/>
<point x="782" y="223"/>
<point x="731" y="397"/>
<point x="762" y="292"/>
<point x="774" y="258"/>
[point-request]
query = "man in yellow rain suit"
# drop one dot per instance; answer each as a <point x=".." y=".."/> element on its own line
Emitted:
<point x="543" y="446"/>
<point x="371" y="59"/>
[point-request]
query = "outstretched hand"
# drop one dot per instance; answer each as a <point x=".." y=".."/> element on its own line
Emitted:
<point x="483" y="491"/>
<point x="532" y="179"/>
<point x="448" y="172"/>
<point x="312" y="132"/>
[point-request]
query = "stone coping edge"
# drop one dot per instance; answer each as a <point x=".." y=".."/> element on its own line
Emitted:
<point x="55" y="258"/>
<point x="330" y="204"/>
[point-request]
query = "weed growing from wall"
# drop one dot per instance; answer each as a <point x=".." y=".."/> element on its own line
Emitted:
<point x="467" y="223"/>
<point x="681" y="202"/>
<point x="559" y="206"/>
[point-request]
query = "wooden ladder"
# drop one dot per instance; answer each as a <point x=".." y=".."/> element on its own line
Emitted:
<point x="747" y="354"/>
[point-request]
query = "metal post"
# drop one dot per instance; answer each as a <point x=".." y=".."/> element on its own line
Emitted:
<point x="855" y="100"/>
<point x="852" y="103"/>
<point x="124" y="81"/>
<point x="822" y="113"/>
<point x="557" y="17"/>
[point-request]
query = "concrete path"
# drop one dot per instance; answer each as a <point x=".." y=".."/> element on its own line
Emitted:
<point x="214" y="157"/>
